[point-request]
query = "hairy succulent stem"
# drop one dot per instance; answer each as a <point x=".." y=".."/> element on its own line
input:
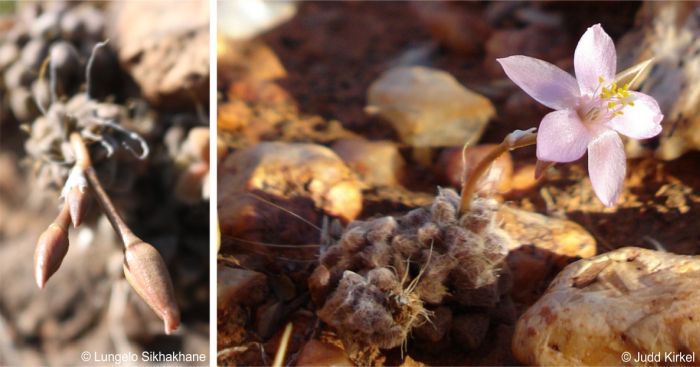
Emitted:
<point x="514" y="140"/>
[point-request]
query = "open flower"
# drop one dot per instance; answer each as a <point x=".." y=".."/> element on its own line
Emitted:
<point x="590" y="110"/>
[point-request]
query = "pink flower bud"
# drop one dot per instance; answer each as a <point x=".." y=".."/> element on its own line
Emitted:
<point x="145" y="270"/>
<point x="75" y="195"/>
<point x="77" y="202"/>
<point x="51" y="248"/>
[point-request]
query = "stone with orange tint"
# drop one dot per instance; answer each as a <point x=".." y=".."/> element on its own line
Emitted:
<point x="629" y="300"/>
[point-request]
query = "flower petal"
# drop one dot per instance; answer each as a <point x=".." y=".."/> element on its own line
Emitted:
<point x="546" y="83"/>
<point x="562" y="137"/>
<point x="606" y="166"/>
<point x="594" y="57"/>
<point x="641" y="121"/>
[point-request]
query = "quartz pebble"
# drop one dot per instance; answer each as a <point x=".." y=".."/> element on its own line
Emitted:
<point x="630" y="300"/>
<point x="169" y="59"/>
<point x="429" y="107"/>
<point x="378" y="163"/>
<point x="542" y="246"/>
<point x="261" y="186"/>
<point x="318" y="353"/>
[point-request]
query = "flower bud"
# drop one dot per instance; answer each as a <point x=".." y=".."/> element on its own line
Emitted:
<point x="51" y="248"/>
<point x="77" y="202"/>
<point x="75" y="195"/>
<point x="145" y="271"/>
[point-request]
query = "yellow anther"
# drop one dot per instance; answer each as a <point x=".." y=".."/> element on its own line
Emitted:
<point x="611" y="105"/>
<point x="601" y="80"/>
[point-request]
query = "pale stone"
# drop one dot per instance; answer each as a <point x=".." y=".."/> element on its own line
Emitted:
<point x="318" y="353"/>
<point x="428" y="107"/>
<point x="629" y="300"/>
<point x="270" y="185"/>
<point x="378" y="163"/>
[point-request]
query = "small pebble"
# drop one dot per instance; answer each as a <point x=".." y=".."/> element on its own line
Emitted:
<point x="378" y="163"/>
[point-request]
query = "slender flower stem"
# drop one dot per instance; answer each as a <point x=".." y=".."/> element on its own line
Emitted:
<point x="514" y="140"/>
<point x="83" y="160"/>
<point x="82" y="157"/>
<point x="128" y="237"/>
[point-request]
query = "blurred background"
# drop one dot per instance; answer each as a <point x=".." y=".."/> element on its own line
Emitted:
<point x="388" y="93"/>
<point x="153" y="79"/>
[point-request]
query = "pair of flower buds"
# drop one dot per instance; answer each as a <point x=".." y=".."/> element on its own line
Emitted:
<point x="144" y="268"/>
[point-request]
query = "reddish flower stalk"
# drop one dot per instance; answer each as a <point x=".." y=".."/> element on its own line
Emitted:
<point x="144" y="268"/>
<point x="514" y="140"/>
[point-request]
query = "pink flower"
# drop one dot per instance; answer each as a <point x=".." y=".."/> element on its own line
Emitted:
<point x="590" y="110"/>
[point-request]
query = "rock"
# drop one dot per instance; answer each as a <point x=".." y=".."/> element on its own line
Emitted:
<point x="192" y="157"/>
<point x="668" y="32"/>
<point x="542" y="247"/>
<point x="233" y="116"/>
<point x="561" y="237"/>
<point x="246" y="19"/>
<point x="628" y="300"/>
<point x="304" y="179"/>
<point x="428" y="107"/>
<point x="190" y="185"/>
<point x="318" y="353"/>
<point x="524" y="178"/>
<point x="231" y="322"/>
<point x="165" y="48"/>
<point x="378" y="163"/>
<point x="452" y="168"/>
<point x="196" y="145"/>
<point x="252" y="60"/>
<point x="240" y="286"/>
